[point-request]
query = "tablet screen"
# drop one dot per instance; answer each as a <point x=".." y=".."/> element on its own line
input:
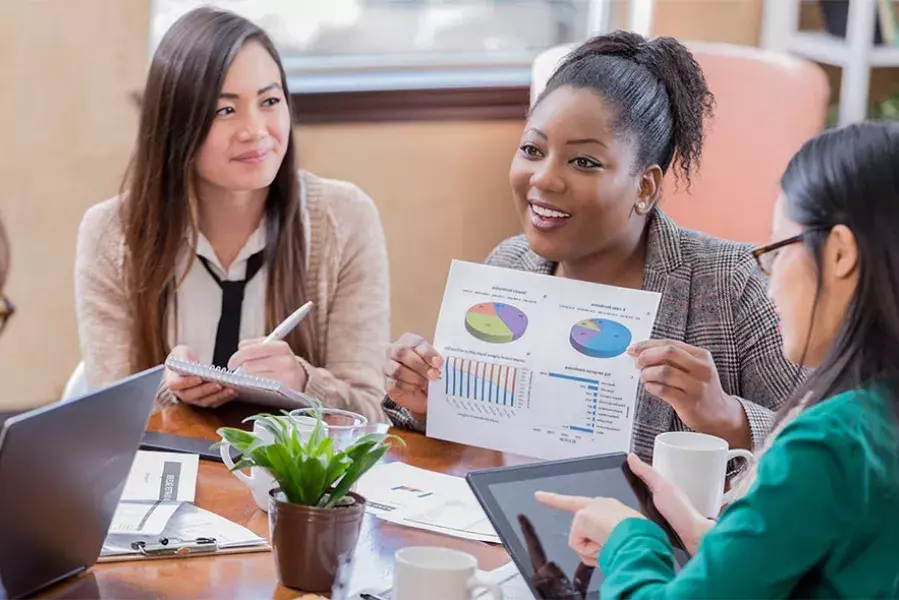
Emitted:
<point x="537" y="536"/>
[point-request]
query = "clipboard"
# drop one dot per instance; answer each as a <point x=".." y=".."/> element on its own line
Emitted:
<point x="191" y="531"/>
<point x="181" y="549"/>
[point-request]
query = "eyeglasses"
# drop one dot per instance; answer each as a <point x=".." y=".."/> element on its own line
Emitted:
<point x="766" y="255"/>
<point x="7" y="310"/>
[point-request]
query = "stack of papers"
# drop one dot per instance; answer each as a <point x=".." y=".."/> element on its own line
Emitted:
<point x="156" y="486"/>
<point x="189" y="523"/>
<point x="406" y="495"/>
<point x="142" y="518"/>
<point x="156" y="505"/>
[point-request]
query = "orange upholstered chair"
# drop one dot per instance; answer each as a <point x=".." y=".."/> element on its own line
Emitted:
<point x="767" y="105"/>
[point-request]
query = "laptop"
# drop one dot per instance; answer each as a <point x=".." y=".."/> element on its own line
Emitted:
<point x="63" y="468"/>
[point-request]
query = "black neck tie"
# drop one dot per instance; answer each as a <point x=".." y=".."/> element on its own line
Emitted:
<point x="227" y="337"/>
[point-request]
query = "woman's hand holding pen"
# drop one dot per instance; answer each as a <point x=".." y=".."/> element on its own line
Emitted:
<point x="270" y="359"/>
<point x="193" y="390"/>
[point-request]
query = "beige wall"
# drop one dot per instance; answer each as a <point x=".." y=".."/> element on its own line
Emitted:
<point x="68" y="123"/>
<point x="733" y="21"/>
<point x="442" y="190"/>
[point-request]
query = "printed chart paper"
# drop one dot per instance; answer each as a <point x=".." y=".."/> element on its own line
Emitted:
<point x="142" y="518"/>
<point x="422" y="499"/>
<point x="187" y="522"/>
<point x="537" y="365"/>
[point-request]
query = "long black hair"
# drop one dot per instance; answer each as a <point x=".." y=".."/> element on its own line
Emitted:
<point x="849" y="177"/>
<point x="656" y="88"/>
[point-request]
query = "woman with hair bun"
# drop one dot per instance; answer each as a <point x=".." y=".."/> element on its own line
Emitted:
<point x="619" y="113"/>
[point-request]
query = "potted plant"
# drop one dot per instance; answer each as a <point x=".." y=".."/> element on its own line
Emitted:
<point x="314" y="518"/>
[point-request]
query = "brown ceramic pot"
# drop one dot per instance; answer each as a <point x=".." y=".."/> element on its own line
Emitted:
<point x="312" y="545"/>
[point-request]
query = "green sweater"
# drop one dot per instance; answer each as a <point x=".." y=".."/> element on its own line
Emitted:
<point x="820" y="521"/>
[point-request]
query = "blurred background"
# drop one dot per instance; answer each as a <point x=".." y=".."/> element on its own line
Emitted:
<point x="420" y="103"/>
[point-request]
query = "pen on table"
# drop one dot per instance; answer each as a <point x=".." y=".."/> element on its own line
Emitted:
<point x="367" y="596"/>
<point x="287" y="325"/>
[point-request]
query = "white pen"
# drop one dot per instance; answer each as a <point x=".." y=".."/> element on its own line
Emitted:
<point x="287" y="325"/>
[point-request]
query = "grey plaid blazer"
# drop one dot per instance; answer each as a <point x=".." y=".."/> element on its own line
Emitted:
<point x="713" y="297"/>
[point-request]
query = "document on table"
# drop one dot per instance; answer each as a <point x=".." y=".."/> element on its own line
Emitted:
<point x="537" y="365"/>
<point x="142" y="518"/>
<point x="163" y="476"/>
<point x="406" y="495"/>
<point x="188" y="522"/>
<point x="156" y="486"/>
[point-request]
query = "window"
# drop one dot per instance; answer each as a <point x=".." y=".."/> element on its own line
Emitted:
<point x="375" y="45"/>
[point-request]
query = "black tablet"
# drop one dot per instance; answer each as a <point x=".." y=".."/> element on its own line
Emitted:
<point x="537" y="536"/>
<point x="167" y="442"/>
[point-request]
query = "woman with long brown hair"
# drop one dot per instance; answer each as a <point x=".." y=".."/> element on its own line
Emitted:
<point x="217" y="237"/>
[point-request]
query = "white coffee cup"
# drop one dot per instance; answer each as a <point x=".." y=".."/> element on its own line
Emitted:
<point x="437" y="574"/>
<point x="697" y="464"/>
<point x="259" y="480"/>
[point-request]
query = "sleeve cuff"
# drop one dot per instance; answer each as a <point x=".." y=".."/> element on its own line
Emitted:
<point x="401" y="417"/>
<point x="760" y="421"/>
<point x="628" y="531"/>
<point x="164" y="397"/>
<point x="315" y="385"/>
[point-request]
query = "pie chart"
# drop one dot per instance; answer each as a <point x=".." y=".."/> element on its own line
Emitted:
<point x="600" y="338"/>
<point x="495" y="322"/>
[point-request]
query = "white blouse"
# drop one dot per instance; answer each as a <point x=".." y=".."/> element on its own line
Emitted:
<point x="198" y="299"/>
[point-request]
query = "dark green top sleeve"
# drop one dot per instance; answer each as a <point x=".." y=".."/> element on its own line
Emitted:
<point x="812" y="488"/>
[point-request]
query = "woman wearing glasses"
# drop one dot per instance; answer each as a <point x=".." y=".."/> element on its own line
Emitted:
<point x="586" y="182"/>
<point x="819" y="518"/>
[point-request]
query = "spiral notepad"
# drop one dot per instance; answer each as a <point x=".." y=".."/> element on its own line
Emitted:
<point x="250" y="388"/>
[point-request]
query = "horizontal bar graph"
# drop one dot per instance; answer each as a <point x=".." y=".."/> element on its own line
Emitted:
<point x="481" y="381"/>
<point x="590" y="390"/>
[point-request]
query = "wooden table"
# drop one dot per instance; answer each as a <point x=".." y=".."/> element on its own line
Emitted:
<point x="253" y="575"/>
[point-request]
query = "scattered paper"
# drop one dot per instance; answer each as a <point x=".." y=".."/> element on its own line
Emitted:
<point x="537" y="365"/>
<point x="164" y="476"/>
<point x="390" y="486"/>
<point x="188" y="523"/>
<point x="142" y="518"/>
<point x="406" y="495"/>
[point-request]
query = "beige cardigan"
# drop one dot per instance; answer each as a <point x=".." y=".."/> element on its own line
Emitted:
<point x="347" y="279"/>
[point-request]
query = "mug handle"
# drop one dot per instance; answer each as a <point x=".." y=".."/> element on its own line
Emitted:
<point x="224" y="450"/>
<point x="746" y="455"/>
<point x="475" y="583"/>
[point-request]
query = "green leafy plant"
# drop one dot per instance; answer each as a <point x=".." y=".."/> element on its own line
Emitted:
<point x="883" y="110"/>
<point x="310" y="472"/>
<point x="887" y="109"/>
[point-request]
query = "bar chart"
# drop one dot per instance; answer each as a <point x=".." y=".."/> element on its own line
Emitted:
<point x="586" y="388"/>
<point x="484" y="383"/>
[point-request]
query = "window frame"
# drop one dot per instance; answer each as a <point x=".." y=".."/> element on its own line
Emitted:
<point x="408" y="87"/>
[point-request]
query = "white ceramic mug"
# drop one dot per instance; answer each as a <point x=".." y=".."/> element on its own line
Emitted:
<point x="259" y="480"/>
<point x="697" y="464"/>
<point x="437" y="574"/>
